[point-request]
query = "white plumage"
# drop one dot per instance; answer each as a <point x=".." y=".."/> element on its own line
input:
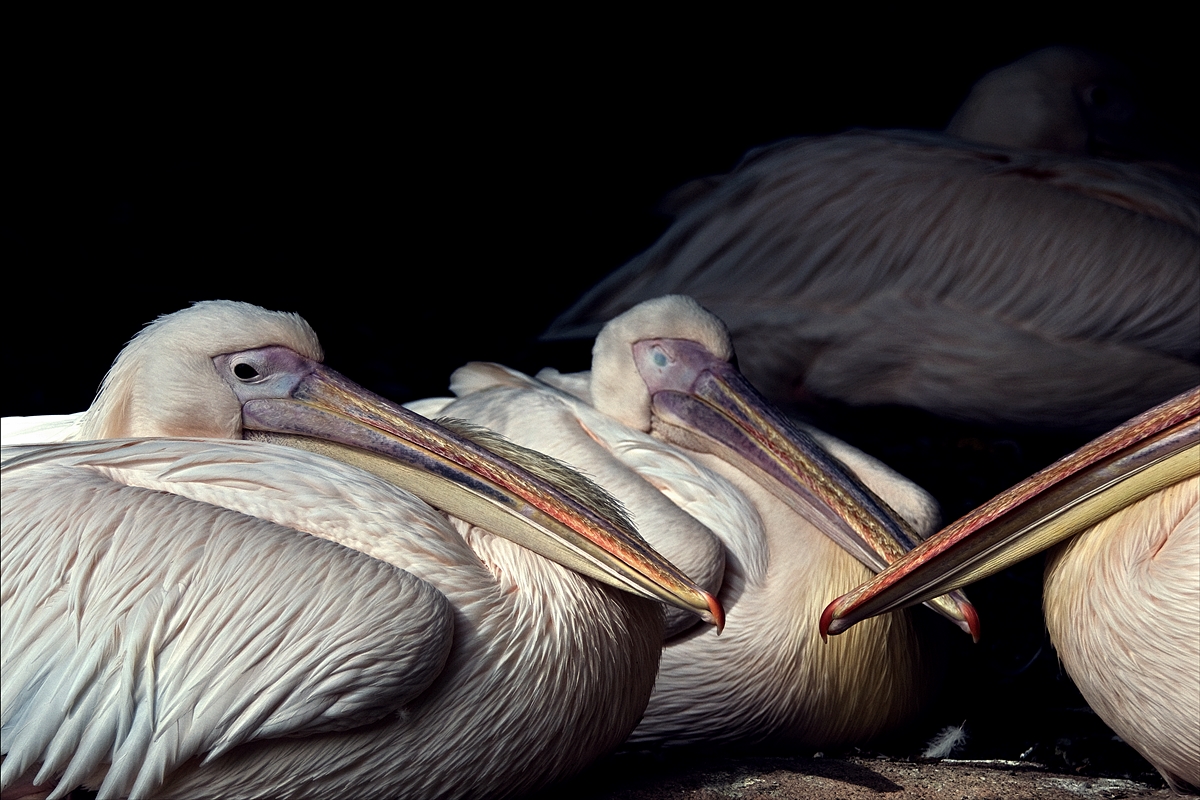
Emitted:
<point x="215" y="618"/>
<point x="947" y="742"/>
<point x="1122" y="591"/>
<point x="767" y="674"/>
<point x="1123" y="610"/>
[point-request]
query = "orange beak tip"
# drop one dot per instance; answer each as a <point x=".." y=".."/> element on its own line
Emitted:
<point x="718" y="613"/>
<point x="826" y="621"/>
<point x="972" y="619"/>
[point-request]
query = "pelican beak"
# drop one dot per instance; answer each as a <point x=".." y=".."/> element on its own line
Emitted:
<point x="702" y="402"/>
<point x="1145" y="455"/>
<point x="539" y="503"/>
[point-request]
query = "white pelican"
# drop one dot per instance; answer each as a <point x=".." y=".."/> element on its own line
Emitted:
<point x="206" y="617"/>
<point x="667" y="425"/>
<point x="1122" y="597"/>
<point x="974" y="281"/>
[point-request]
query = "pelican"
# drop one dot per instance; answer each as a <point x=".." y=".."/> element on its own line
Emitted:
<point x="198" y="616"/>
<point x="1061" y="99"/>
<point x="1126" y="508"/>
<point x="981" y="282"/>
<point x="746" y="503"/>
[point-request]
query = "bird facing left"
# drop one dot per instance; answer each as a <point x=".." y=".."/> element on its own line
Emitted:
<point x="208" y="617"/>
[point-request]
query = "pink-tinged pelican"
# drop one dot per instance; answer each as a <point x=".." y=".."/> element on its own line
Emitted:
<point x="204" y="617"/>
<point x="971" y="280"/>
<point x="745" y="502"/>
<point x="1122" y="595"/>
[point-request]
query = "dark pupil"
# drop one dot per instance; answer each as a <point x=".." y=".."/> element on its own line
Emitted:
<point x="245" y="372"/>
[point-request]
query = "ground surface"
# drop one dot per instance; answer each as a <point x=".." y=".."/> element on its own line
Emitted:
<point x="851" y="778"/>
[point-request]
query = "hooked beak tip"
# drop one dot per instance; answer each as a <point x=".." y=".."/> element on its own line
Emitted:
<point x="971" y="618"/>
<point x="833" y="624"/>
<point x="826" y="621"/>
<point x="718" y="613"/>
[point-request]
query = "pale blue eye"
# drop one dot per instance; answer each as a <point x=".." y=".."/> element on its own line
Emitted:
<point x="660" y="358"/>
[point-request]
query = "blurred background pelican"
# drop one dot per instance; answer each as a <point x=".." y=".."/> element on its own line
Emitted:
<point x="999" y="284"/>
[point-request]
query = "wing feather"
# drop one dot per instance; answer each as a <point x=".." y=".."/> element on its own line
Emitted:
<point x="142" y="629"/>
<point x="883" y="267"/>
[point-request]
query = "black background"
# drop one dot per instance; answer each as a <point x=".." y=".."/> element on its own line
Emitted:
<point x="427" y="192"/>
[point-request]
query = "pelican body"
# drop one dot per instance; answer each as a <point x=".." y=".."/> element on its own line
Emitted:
<point x="974" y="281"/>
<point x="1122" y="590"/>
<point x="204" y="616"/>
<point x="707" y="471"/>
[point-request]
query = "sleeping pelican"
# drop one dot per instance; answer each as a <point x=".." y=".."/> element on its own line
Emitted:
<point x="971" y="280"/>
<point x="1127" y="504"/>
<point x="203" y="617"/>
<point x="744" y="502"/>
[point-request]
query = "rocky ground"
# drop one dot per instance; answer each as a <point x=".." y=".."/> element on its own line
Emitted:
<point x="843" y="778"/>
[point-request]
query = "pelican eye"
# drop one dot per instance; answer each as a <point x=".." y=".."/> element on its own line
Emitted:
<point x="660" y="358"/>
<point x="244" y="372"/>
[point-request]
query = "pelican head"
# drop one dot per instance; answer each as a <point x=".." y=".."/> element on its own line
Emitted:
<point x="665" y="367"/>
<point x="230" y="370"/>
<point x="1058" y="98"/>
<point x="155" y="386"/>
